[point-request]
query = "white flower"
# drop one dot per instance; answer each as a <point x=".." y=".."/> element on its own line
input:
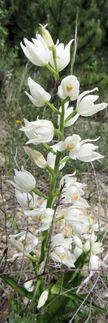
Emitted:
<point x="61" y="250"/>
<point x="36" y="51"/>
<point x="43" y="298"/>
<point x="73" y="190"/>
<point x="38" y="131"/>
<point x="85" y="104"/>
<point x="59" y="240"/>
<point x="77" y="241"/>
<point x="94" y="262"/>
<point x="78" y="246"/>
<point x="29" y="285"/>
<point x="92" y="245"/>
<point x="36" y="157"/>
<point x="23" y="181"/>
<point x="44" y="218"/>
<point x="73" y="194"/>
<point x="62" y="55"/>
<point x="67" y="111"/>
<point x="69" y="87"/>
<point x="74" y="217"/>
<point x="77" y="252"/>
<point x="82" y="150"/>
<point x="38" y="95"/>
<point x="47" y="37"/>
<point x="69" y="180"/>
<point x="43" y="215"/>
<point x="64" y="256"/>
<point x="24" y="242"/>
<point x="26" y="200"/>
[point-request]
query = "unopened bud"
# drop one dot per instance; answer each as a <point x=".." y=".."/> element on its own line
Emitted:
<point x="47" y="37"/>
<point x="43" y="298"/>
<point x="36" y="157"/>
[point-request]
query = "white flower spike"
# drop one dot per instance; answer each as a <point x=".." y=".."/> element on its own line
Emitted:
<point x="69" y="87"/>
<point x="62" y="55"/>
<point x="36" y="51"/>
<point x="38" y="95"/>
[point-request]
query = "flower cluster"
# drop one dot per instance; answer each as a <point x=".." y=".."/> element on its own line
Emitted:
<point x="42" y="51"/>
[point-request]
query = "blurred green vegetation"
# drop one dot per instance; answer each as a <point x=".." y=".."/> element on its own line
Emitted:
<point x="19" y="19"/>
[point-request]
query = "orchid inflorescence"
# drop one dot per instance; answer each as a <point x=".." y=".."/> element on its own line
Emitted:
<point x="41" y="51"/>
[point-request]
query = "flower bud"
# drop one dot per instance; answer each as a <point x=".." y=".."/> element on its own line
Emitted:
<point x="43" y="298"/>
<point x="46" y="36"/>
<point x="36" y="157"/>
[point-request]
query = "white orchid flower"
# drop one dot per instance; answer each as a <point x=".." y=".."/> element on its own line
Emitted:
<point x="82" y="150"/>
<point x="23" y="181"/>
<point x="69" y="180"/>
<point x="62" y="55"/>
<point x="74" y="195"/>
<point x="43" y="215"/>
<point x="79" y="222"/>
<point x="24" y="242"/>
<point x="38" y="131"/>
<point x="64" y="256"/>
<point x="77" y="241"/>
<point x="72" y="191"/>
<point x="69" y="87"/>
<point x="67" y="111"/>
<point x="44" y="218"/>
<point x="38" y="95"/>
<point x="93" y="246"/>
<point x="77" y="252"/>
<point x="36" y="157"/>
<point x="94" y="262"/>
<point x="78" y="246"/>
<point x="85" y="104"/>
<point x="59" y="240"/>
<point x="36" y="51"/>
<point x="26" y="200"/>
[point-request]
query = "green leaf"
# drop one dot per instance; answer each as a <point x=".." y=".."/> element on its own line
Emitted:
<point x="12" y="282"/>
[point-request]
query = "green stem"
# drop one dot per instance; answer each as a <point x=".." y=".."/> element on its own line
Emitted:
<point x="48" y="148"/>
<point x="53" y="71"/>
<point x="59" y="218"/>
<point x="52" y="194"/>
<point x="61" y="127"/>
<point x="51" y="106"/>
<point x="53" y="180"/>
<point x="39" y="193"/>
<point x="64" y="160"/>
<point x="71" y="115"/>
<point x="51" y="171"/>
<point x="55" y="63"/>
